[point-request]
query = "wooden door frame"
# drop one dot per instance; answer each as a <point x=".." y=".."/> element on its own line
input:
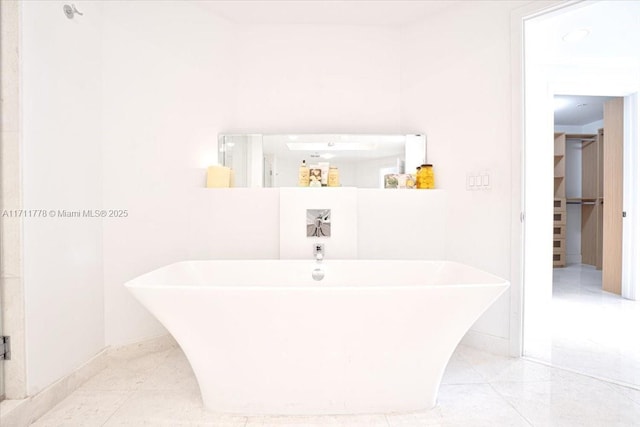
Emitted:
<point x="631" y="199"/>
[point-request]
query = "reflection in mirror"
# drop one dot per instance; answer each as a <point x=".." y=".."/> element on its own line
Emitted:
<point x="361" y="160"/>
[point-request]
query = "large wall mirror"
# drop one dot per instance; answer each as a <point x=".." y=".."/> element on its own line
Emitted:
<point x="273" y="160"/>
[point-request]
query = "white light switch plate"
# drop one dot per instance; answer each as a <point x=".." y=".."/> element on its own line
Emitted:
<point x="479" y="181"/>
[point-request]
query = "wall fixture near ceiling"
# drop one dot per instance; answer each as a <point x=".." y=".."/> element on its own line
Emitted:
<point x="71" y="11"/>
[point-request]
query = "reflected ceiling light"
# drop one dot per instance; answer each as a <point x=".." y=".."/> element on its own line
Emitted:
<point x="576" y="35"/>
<point x="327" y="156"/>
<point x="293" y="137"/>
<point x="335" y="146"/>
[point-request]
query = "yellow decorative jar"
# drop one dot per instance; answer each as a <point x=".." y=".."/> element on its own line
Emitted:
<point x="425" y="179"/>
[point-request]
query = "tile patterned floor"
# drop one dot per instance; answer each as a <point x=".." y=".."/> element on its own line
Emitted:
<point x="594" y="332"/>
<point x="479" y="389"/>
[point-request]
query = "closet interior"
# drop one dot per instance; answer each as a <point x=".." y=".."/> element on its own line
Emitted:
<point x="588" y="195"/>
<point x="590" y="180"/>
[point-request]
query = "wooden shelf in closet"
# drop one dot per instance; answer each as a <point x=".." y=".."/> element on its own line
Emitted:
<point x="583" y="136"/>
<point x="587" y="200"/>
<point x="559" y="201"/>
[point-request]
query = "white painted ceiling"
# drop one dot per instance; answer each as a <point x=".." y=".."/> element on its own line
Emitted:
<point x="614" y="31"/>
<point x="578" y="110"/>
<point x="611" y="48"/>
<point x="336" y="12"/>
<point x="614" y="28"/>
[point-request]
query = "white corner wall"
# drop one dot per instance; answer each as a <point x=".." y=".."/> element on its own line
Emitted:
<point x="154" y="90"/>
<point x="458" y="91"/>
<point x="61" y="148"/>
<point x="168" y="92"/>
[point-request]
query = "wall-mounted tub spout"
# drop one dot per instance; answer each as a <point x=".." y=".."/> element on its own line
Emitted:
<point x="318" y="251"/>
<point x="318" y="254"/>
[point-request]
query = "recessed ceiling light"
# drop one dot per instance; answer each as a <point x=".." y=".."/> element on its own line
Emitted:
<point x="576" y="35"/>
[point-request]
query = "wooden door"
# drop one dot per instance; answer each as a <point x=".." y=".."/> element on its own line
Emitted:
<point x="612" y="208"/>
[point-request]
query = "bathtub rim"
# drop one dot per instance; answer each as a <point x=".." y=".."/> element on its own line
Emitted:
<point x="133" y="283"/>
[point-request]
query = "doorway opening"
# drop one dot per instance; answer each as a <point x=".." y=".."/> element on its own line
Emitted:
<point x="569" y="320"/>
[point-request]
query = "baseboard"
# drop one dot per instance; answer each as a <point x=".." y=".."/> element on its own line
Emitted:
<point x="574" y="259"/>
<point x="25" y="411"/>
<point x="18" y="413"/>
<point x="485" y="342"/>
<point x="141" y="348"/>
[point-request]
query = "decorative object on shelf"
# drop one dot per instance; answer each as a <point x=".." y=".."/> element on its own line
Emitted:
<point x="303" y="175"/>
<point x="425" y="178"/>
<point x="219" y="177"/>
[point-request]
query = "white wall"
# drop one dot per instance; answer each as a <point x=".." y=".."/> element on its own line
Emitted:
<point x="458" y="91"/>
<point x="172" y="80"/>
<point x="318" y="79"/>
<point x="402" y="224"/>
<point x="168" y="92"/>
<point x="61" y="147"/>
<point x="297" y="79"/>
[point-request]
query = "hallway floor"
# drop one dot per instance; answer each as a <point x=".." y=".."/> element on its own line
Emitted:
<point x="479" y="389"/>
<point x="594" y="332"/>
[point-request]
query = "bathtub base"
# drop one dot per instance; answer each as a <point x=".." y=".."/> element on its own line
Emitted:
<point x="376" y="339"/>
<point x="337" y="351"/>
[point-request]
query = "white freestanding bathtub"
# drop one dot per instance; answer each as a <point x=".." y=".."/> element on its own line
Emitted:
<point x="263" y="337"/>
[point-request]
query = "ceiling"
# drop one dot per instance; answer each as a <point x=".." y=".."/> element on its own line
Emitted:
<point x="337" y="12"/>
<point x="610" y="49"/>
<point x="614" y="32"/>
<point x="573" y="110"/>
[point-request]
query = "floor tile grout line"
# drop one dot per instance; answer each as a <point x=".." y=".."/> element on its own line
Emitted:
<point x="511" y="405"/>
<point x="619" y="393"/>
<point x="581" y="284"/>
<point x="583" y="374"/>
<point x="131" y="393"/>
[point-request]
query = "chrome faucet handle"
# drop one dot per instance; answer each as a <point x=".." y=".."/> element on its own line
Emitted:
<point x="318" y="222"/>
